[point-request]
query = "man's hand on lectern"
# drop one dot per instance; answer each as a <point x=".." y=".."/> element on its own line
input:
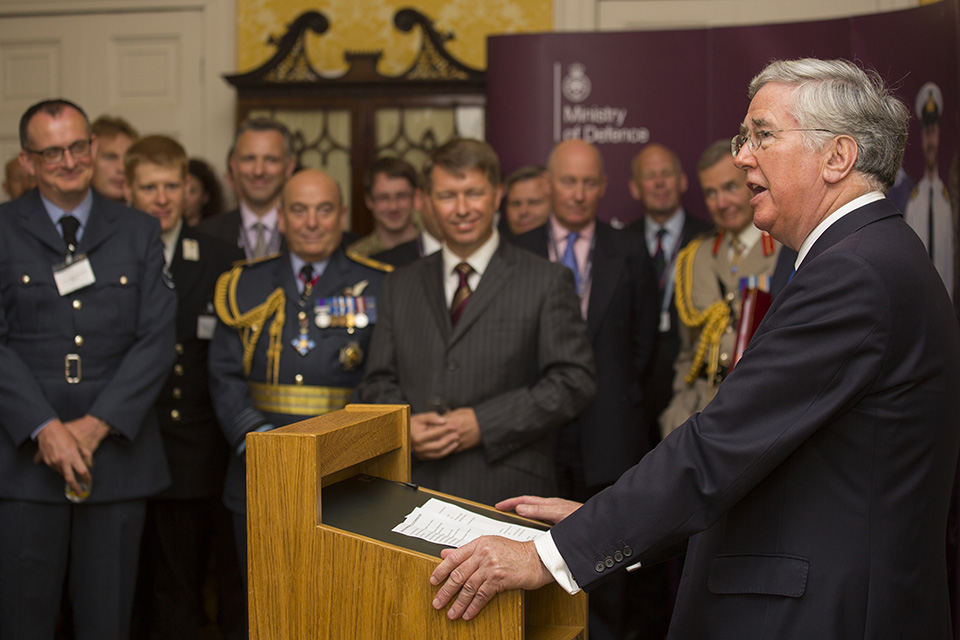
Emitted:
<point x="551" y="510"/>
<point x="481" y="569"/>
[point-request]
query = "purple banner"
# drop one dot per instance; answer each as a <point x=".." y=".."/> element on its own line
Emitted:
<point x="685" y="89"/>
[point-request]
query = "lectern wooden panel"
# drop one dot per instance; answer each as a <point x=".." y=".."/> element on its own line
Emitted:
<point x="311" y="579"/>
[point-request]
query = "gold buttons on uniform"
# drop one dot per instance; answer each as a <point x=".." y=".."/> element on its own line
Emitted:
<point x="179" y="348"/>
<point x="178" y="369"/>
<point x="298" y="379"/>
<point x="77" y="305"/>
<point x="177" y="393"/>
<point x="25" y="279"/>
<point x="123" y="280"/>
<point x="78" y="340"/>
<point x="175" y="415"/>
<point x="724" y="357"/>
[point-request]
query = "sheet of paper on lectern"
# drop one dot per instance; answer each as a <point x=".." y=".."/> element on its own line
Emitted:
<point x="444" y="523"/>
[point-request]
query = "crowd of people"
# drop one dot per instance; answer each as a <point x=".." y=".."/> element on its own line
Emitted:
<point x="145" y="332"/>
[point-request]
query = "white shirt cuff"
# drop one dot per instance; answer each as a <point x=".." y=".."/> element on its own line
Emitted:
<point x="555" y="564"/>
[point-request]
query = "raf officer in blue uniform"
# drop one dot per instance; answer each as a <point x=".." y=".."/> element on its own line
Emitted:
<point x="86" y="340"/>
<point x="293" y="331"/>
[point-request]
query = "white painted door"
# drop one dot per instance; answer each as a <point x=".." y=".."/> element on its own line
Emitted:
<point x="146" y="66"/>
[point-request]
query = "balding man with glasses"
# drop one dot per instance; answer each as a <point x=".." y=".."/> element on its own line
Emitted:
<point x="86" y="340"/>
<point x="815" y="486"/>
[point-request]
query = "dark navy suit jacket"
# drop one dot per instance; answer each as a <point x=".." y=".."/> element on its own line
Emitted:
<point x="816" y="484"/>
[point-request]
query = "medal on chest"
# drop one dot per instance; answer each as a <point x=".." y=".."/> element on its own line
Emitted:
<point x="302" y="343"/>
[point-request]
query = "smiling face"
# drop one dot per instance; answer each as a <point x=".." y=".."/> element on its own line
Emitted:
<point x="726" y="194"/>
<point x="311" y="216"/>
<point x="392" y="202"/>
<point x="65" y="183"/>
<point x="463" y="206"/>
<point x="159" y="191"/>
<point x="785" y="176"/>
<point x="260" y="167"/>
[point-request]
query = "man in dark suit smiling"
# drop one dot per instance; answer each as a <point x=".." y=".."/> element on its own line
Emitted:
<point x="483" y="340"/>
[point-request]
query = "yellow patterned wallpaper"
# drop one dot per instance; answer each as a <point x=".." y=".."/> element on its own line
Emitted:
<point x="367" y="25"/>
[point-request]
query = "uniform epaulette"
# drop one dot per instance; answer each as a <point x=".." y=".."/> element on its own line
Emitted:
<point x="369" y="262"/>
<point x="247" y="262"/>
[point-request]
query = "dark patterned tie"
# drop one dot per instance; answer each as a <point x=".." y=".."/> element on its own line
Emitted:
<point x="308" y="280"/>
<point x="260" y="248"/>
<point x="462" y="294"/>
<point x="70" y="225"/>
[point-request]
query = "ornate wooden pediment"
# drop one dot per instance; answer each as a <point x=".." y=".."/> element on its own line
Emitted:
<point x="433" y="69"/>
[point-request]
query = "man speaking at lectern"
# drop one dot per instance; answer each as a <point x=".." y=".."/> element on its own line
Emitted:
<point x="816" y="484"/>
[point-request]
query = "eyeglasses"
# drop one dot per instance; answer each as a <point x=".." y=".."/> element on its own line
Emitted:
<point x="756" y="138"/>
<point x="54" y="155"/>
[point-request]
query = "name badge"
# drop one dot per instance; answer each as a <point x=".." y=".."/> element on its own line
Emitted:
<point x="205" y="326"/>
<point x="190" y="249"/>
<point x="73" y="276"/>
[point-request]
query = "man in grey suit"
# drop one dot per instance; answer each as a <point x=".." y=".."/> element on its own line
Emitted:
<point x="485" y="341"/>
<point x="816" y="484"/>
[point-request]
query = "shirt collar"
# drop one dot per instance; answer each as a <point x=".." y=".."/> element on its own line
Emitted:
<point x="296" y="262"/>
<point x="748" y="237"/>
<point x="673" y="225"/>
<point x="827" y="222"/>
<point x="81" y="212"/>
<point x="169" y="239"/>
<point x="560" y="232"/>
<point x="478" y="260"/>
<point x="429" y="244"/>
<point x="248" y="218"/>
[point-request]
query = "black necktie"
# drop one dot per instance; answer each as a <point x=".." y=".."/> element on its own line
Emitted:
<point x="69" y="225"/>
<point x="659" y="259"/>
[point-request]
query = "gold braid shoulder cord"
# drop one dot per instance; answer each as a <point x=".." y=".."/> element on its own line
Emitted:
<point x="713" y="320"/>
<point x="250" y="324"/>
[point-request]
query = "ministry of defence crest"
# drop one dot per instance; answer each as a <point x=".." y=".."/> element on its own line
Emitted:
<point x="576" y="86"/>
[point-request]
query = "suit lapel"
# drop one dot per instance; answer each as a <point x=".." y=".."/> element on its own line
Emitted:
<point x="180" y="270"/>
<point x="34" y="220"/>
<point x="431" y="281"/>
<point x="498" y="273"/>
<point x="608" y="262"/>
<point x="850" y="223"/>
<point x="100" y="226"/>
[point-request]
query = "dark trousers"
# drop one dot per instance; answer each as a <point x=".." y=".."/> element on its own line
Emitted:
<point x="179" y="539"/>
<point x="94" y="547"/>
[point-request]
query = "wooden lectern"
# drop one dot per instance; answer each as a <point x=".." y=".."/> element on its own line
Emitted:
<point x="325" y="565"/>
